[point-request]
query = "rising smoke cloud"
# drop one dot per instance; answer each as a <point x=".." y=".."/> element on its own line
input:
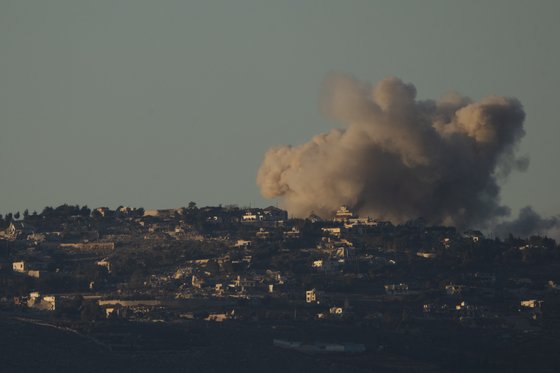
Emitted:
<point x="527" y="223"/>
<point x="399" y="158"/>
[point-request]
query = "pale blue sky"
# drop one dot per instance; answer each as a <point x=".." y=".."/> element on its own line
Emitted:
<point x="157" y="103"/>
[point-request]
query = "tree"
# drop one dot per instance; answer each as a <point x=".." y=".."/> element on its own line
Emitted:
<point x="16" y="215"/>
<point x="85" y="211"/>
<point x="137" y="278"/>
<point x="66" y="210"/>
<point x="91" y="311"/>
<point x="47" y="212"/>
<point x="228" y="267"/>
<point x="213" y="267"/>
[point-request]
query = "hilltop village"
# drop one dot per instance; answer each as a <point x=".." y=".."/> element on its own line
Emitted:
<point x="342" y="285"/>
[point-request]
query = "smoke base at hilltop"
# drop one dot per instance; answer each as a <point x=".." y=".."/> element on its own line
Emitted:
<point x="398" y="158"/>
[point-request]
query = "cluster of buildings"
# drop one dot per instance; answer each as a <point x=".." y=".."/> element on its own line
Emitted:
<point x="226" y="263"/>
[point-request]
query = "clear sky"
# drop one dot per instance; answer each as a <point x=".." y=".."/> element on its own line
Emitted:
<point x="158" y="103"/>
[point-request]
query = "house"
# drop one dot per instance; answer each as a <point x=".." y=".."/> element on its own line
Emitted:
<point x="466" y="310"/>
<point x="312" y="296"/>
<point x="35" y="270"/>
<point x="183" y="272"/>
<point x="263" y="234"/>
<point x="533" y="307"/>
<point x="473" y="235"/>
<point x="334" y="231"/>
<point x="292" y="233"/>
<point x="244" y="283"/>
<point x="337" y="311"/>
<point x="115" y="311"/>
<point x="219" y="317"/>
<point x="317" y="264"/>
<point x="271" y="215"/>
<point x="19" y="267"/>
<point x="324" y="265"/>
<point x="531" y="303"/>
<point x="88" y="246"/>
<point x="165" y="213"/>
<point x="105" y="263"/>
<point x="426" y="254"/>
<point x="197" y="282"/>
<point x="128" y="302"/>
<point x="18" y="229"/>
<point x="360" y="224"/>
<point x="343" y="252"/>
<point x="35" y="273"/>
<point x="250" y="216"/>
<point x="45" y="302"/>
<point x="36" y="237"/>
<point x="343" y="214"/>
<point x="242" y="243"/>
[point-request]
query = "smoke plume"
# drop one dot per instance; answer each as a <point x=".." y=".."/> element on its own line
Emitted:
<point x="399" y="158"/>
<point x="527" y="223"/>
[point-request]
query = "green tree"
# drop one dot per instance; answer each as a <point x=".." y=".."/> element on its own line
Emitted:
<point x="137" y="278"/>
<point x="85" y="211"/>
<point x="47" y="212"/>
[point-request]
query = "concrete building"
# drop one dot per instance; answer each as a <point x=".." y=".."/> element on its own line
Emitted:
<point x="41" y="302"/>
<point x="343" y="214"/>
<point x="312" y="296"/>
<point x="20" y="267"/>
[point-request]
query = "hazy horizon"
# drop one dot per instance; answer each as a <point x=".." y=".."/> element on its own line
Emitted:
<point x="154" y="105"/>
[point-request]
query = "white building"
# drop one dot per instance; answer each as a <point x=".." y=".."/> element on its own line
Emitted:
<point x="45" y="302"/>
<point x="19" y="267"/>
<point x="343" y="214"/>
<point x="312" y="296"/>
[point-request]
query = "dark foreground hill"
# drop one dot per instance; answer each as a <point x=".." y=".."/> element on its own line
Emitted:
<point x="29" y="347"/>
